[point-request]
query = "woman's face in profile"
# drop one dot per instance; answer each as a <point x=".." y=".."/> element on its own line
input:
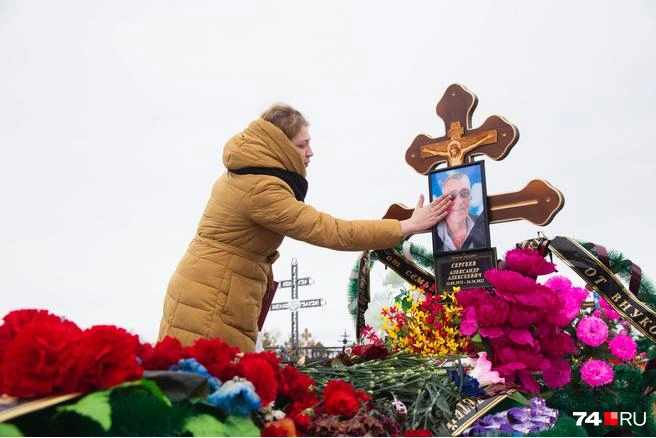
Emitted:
<point x="301" y="142"/>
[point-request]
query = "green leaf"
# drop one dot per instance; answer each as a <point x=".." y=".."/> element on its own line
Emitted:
<point x="204" y="425"/>
<point x="149" y="386"/>
<point x="7" y="429"/>
<point x="477" y="338"/>
<point x="94" y="406"/>
<point x="239" y="425"/>
<point x="442" y="404"/>
<point x="519" y="398"/>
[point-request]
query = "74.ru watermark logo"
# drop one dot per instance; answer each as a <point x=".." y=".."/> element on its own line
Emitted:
<point x="611" y="418"/>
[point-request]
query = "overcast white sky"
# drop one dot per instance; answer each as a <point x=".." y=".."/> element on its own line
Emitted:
<point x="113" y="116"/>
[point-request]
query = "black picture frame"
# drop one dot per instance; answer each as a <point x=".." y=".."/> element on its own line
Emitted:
<point x="478" y="236"/>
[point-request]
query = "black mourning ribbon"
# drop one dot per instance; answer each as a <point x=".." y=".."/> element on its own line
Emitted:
<point x="295" y="181"/>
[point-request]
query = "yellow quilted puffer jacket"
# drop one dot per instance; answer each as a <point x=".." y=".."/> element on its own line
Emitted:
<point x="218" y="286"/>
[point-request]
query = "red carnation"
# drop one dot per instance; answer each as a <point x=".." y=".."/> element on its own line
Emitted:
<point x="226" y="371"/>
<point x="372" y="352"/>
<point x="259" y="373"/>
<point x="166" y="352"/>
<point x="106" y="356"/>
<point x="339" y="398"/>
<point x="216" y="356"/>
<point x="269" y="356"/>
<point x="298" y="389"/>
<point x="273" y="430"/>
<point x="296" y="385"/>
<point x="341" y="403"/>
<point x="417" y="432"/>
<point x="15" y="320"/>
<point x="302" y="422"/>
<point x="38" y="360"/>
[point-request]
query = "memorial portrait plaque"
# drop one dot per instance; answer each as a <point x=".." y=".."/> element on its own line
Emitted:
<point x="466" y="226"/>
<point x="464" y="269"/>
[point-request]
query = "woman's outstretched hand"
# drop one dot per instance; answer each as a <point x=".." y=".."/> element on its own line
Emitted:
<point x="423" y="218"/>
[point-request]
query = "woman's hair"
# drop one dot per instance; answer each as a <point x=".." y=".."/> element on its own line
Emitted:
<point x="289" y="120"/>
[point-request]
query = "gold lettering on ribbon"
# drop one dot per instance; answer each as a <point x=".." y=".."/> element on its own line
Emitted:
<point x="412" y="273"/>
<point x="636" y="313"/>
<point x="469" y="410"/>
<point x="625" y="306"/>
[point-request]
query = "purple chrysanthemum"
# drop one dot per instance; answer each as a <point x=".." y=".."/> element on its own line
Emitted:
<point x="623" y="347"/>
<point x="592" y="331"/>
<point x="596" y="373"/>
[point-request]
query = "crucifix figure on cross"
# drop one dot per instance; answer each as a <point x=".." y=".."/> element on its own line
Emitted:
<point x="494" y="138"/>
<point x="538" y="202"/>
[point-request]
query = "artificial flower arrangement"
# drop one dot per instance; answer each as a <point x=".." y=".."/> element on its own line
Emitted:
<point x="607" y="370"/>
<point x="552" y="340"/>
<point x="425" y="323"/>
<point x="558" y="340"/>
<point x="105" y="375"/>
<point x="521" y="321"/>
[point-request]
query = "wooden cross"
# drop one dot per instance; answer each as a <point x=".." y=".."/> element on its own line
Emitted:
<point x="461" y="143"/>
<point x="538" y="202"/>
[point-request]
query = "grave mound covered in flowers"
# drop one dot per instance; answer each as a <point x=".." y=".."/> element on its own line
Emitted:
<point x="523" y="357"/>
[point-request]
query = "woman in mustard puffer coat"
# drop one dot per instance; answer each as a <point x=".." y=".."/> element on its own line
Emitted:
<point x="218" y="286"/>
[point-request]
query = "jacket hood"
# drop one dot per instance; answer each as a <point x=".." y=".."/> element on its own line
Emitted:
<point x="262" y="144"/>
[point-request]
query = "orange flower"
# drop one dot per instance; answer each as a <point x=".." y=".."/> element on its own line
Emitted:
<point x="283" y="427"/>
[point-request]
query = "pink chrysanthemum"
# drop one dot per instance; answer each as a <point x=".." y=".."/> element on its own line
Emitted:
<point x="512" y="286"/>
<point x="558" y="374"/>
<point x="592" y="331"/>
<point x="559" y="283"/>
<point x="529" y="262"/>
<point x="623" y="347"/>
<point x="570" y="297"/>
<point x="596" y="373"/>
<point x="611" y="313"/>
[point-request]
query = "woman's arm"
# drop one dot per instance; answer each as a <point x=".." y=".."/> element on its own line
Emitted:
<point x="273" y="206"/>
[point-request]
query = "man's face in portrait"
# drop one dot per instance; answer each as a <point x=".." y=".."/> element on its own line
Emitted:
<point x="461" y="192"/>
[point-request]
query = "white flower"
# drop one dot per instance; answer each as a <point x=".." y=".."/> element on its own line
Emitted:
<point x="372" y="316"/>
<point x="482" y="370"/>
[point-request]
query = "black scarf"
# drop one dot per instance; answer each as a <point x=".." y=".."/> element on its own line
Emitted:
<point x="295" y="181"/>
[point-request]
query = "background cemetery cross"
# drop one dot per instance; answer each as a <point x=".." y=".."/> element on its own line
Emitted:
<point x="294" y="304"/>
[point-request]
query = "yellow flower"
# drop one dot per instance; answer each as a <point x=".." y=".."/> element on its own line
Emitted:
<point x="421" y="332"/>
